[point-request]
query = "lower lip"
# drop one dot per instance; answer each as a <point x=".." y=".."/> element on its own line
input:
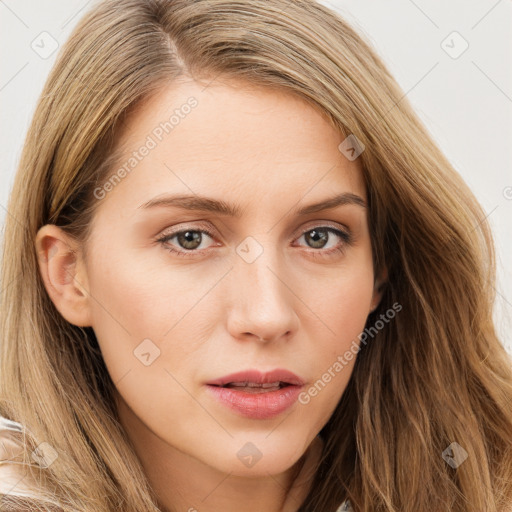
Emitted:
<point x="258" y="406"/>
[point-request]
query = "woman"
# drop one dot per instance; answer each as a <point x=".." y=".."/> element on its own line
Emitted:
<point x="245" y="278"/>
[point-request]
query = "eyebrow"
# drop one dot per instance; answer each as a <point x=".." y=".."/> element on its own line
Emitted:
<point x="206" y="204"/>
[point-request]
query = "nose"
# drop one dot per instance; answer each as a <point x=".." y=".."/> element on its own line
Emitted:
<point x="261" y="300"/>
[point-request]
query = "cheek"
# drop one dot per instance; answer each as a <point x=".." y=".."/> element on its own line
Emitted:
<point x="133" y="309"/>
<point x="126" y="303"/>
<point x="342" y="310"/>
<point x="141" y="307"/>
<point x="340" y="301"/>
<point x="350" y="305"/>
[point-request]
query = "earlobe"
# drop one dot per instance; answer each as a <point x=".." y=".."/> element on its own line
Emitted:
<point x="63" y="274"/>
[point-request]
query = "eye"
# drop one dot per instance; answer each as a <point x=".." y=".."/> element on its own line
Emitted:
<point x="189" y="241"/>
<point x="320" y="237"/>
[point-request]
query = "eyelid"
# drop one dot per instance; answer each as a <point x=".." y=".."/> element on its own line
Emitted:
<point x="200" y="226"/>
<point x="319" y="223"/>
<point x="192" y="226"/>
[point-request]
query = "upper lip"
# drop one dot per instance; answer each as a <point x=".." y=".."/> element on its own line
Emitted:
<point x="258" y="377"/>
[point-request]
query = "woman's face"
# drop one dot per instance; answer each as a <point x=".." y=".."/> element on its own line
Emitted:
<point x="180" y="291"/>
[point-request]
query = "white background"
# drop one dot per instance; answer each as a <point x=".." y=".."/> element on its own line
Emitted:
<point x="466" y="102"/>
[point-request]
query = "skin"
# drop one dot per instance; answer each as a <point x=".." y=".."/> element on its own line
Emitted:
<point x="269" y="153"/>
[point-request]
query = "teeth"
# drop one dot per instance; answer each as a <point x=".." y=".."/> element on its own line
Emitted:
<point x="254" y="384"/>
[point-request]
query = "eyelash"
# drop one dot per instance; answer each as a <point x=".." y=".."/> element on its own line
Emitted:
<point x="345" y="236"/>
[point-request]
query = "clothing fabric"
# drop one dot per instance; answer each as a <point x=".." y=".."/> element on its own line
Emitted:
<point x="14" y="481"/>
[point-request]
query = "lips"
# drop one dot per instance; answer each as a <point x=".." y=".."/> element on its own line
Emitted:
<point x="256" y="379"/>
<point x="257" y="395"/>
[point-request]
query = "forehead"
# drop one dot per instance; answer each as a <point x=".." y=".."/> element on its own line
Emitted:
<point x="233" y="140"/>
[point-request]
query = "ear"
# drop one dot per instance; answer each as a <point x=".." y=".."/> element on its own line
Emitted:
<point x="63" y="274"/>
<point x="378" y="289"/>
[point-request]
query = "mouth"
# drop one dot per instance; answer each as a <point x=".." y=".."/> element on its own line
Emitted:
<point x="254" y="387"/>
<point x="257" y="395"/>
<point x="256" y="379"/>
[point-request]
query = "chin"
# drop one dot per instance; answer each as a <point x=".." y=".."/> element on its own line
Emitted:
<point x="258" y="454"/>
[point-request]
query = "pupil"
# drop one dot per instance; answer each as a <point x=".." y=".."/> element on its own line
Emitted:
<point x="190" y="239"/>
<point x="319" y="237"/>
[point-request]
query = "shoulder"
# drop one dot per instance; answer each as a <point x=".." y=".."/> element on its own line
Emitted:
<point x="13" y="480"/>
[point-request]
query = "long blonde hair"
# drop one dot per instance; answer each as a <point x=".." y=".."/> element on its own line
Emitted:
<point x="436" y="375"/>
